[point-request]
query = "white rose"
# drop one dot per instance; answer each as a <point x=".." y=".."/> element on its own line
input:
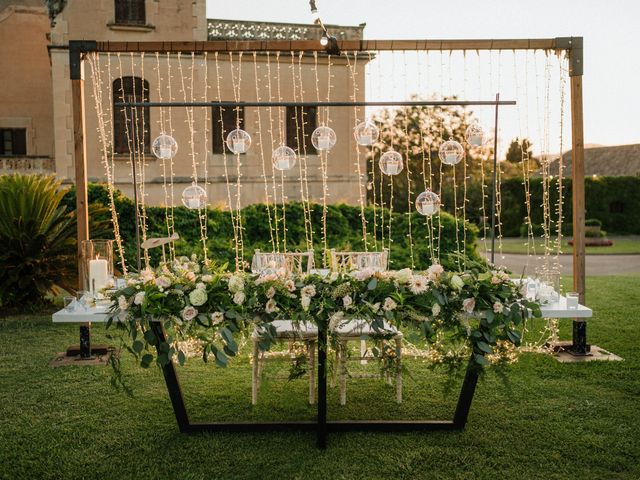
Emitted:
<point x="147" y="275"/>
<point x="468" y="304"/>
<point x="163" y="282"/>
<point x="457" y="282"/>
<point x="236" y="283"/>
<point x="347" y="301"/>
<point x="139" y="298"/>
<point x="404" y="275"/>
<point x="434" y="272"/>
<point x="198" y="297"/>
<point x="270" y="307"/>
<point x="189" y="313"/>
<point x="498" y="307"/>
<point x="305" y="301"/>
<point x="389" y="304"/>
<point x="309" y="291"/>
<point x="435" y="309"/>
<point x="207" y="278"/>
<point x="238" y="298"/>
<point x="217" y="317"/>
<point x="122" y="303"/>
<point x="290" y="285"/>
<point x="363" y="274"/>
<point x="271" y="292"/>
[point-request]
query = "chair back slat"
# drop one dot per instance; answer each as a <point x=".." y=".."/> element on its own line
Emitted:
<point x="292" y="262"/>
<point x="349" y="261"/>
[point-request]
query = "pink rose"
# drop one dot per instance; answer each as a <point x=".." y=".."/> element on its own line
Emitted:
<point x="468" y="304"/>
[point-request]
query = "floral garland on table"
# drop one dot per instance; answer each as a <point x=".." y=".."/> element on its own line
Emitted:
<point x="481" y="309"/>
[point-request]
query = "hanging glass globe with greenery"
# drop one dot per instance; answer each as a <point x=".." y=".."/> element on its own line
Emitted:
<point x="164" y="147"/>
<point x="194" y="197"/>
<point x="451" y="152"/>
<point x="366" y="133"/>
<point x="284" y="158"/>
<point x="428" y="203"/>
<point x="475" y="135"/>
<point x="238" y="141"/>
<point x="323" y="138"/>
<point x="391" y="163"/>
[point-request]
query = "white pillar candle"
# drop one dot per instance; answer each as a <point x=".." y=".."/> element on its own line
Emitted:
<point x="98" y="274"/>
<point x="452" y="158"/>
<point x="193" y="202"/>
<point x="324" y="142"/>
<point x="392" y="168"/>
<point x="475" y="140"/>
<point x="165" y="152"/>
<point x="364" y="139"/>
<point x="283" y="164"/>
<point x="238" y="145"/>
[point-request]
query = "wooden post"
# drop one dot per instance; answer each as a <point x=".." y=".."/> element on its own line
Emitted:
<point x="575" y="49"/>
<point x="577" y="158"/>
<point x="76" y="50"/>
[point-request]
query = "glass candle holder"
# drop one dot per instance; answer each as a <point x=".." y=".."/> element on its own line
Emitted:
<point x="573" y="300"/>
<point x="549" y="286"/>
<point x="97" y="264"/>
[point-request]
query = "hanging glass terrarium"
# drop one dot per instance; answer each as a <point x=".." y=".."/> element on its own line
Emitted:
<point x="238" y="141"/>
<point x="194" y="197"/>
<point x="475" y="135"/>
<point x="323" y="138"/>
<point x="451" y="152"/>
<point x="164" y="147"/>
<point x="366" y="133"/>
<point x="284" y="158"/>
<point x="428" y="203"/>
<point x="391" y="163"/>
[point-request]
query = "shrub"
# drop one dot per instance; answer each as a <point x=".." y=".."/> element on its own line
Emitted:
<point x="592" y="222"/>
<point x="344" y="230"/>
<point x="38" y="238"/>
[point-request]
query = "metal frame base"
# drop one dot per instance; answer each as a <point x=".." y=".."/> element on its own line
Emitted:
<point x="321" y="426"/>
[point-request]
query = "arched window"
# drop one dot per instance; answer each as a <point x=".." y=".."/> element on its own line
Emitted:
<point x="130" y="12"/>
<point x="131" y="125"/>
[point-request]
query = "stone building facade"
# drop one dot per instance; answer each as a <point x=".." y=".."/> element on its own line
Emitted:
<point x="198" y="134"/>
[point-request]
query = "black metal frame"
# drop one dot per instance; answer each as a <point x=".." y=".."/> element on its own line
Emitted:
<point x="321" y="426"/>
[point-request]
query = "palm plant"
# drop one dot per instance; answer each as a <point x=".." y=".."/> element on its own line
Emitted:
<point x="38" y="239"/>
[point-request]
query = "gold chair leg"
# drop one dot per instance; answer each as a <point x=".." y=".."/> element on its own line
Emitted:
<point x="343" y="372"/>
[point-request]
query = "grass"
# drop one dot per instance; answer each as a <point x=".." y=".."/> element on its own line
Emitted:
<point x="550" y="420"/>
<point x="628" y="245"/>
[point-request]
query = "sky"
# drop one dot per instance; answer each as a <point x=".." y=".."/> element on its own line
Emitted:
<point x="610" y="29"/>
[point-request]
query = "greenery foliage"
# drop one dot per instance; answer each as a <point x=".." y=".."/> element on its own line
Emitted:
<point x="344" y="231"/>
<point x="38" y="238"/>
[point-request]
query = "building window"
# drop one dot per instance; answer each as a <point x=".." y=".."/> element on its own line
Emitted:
<point x="131" y="125"/>
<point x="13" y="141"/>
<point x="224" y="120"/>
<point x="130" y="12"/>
<point x="616" y="207"/>
<point x="301" y="122"/>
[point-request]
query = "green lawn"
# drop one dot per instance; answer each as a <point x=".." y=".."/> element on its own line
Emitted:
<point x="549" y="421"/>
<point x="628" y="244"/>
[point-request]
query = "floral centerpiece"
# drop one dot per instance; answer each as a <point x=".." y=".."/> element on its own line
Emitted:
<point x="481" y="309"/>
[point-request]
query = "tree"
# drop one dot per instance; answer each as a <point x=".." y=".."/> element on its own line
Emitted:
<point x="417" y="132"/>
<point x="519" y="150"/>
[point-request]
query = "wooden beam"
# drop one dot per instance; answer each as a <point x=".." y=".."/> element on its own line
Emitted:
<point x="80" y="162"/>
<point x="577" y="159"/>
<point x="314" y="45"/>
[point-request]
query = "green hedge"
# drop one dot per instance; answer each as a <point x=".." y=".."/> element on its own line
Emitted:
<point x="615" y="201"/>
<point x="344" y="228"/>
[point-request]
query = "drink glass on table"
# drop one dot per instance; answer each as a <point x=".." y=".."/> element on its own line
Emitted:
<point x="572" y="300"/>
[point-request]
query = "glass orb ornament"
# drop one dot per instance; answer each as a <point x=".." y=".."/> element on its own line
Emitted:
<point x="238" y="141"/>
<point x="428" y="203"/>
<point x="391" y="163"/>
<point x="475" y="135"/>
<point x="164" y="147"/>
<point x="284" y="158"/>
<point x="366" y="133"/>
<point x="451" y="152"/>
<point x="323" y="138"/>
<point x="194" y="197"/>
